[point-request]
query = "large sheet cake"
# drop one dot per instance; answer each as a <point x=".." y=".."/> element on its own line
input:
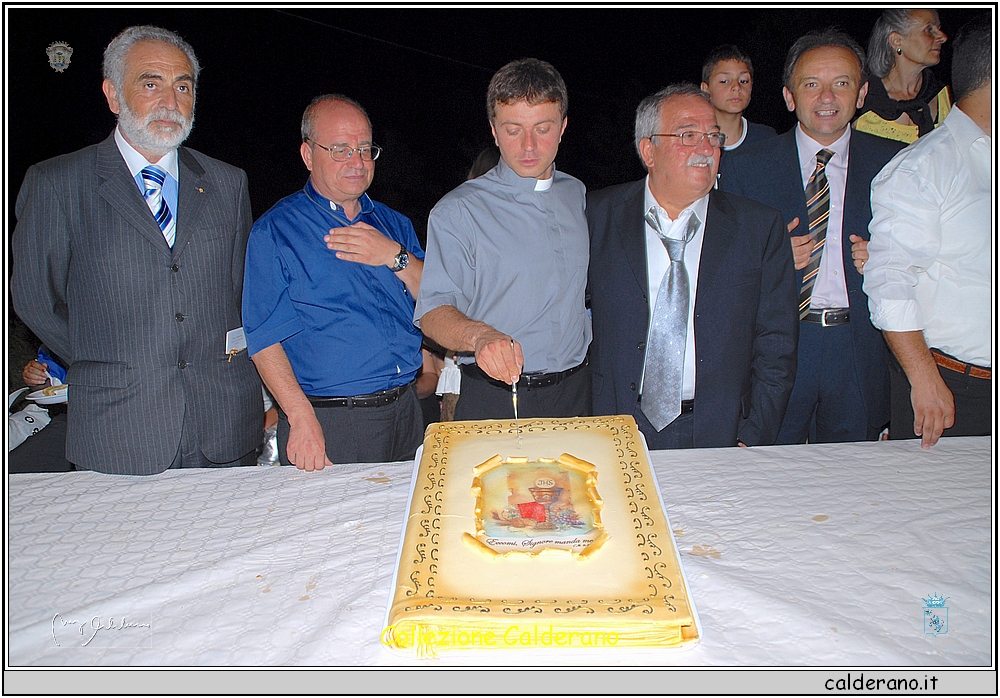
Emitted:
<point x="554" y="539"/>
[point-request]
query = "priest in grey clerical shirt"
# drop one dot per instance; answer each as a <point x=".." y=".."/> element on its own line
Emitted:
<point x="506" y="267"/>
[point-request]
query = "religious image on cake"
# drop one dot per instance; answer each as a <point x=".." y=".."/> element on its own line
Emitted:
<point x="538" y="506"/>
<point x="540" y="502"/>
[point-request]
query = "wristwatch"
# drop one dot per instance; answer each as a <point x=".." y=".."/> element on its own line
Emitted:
<point x="402" y="259"/>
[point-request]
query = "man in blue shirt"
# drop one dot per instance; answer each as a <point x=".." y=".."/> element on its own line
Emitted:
<point x="330" y="327"/>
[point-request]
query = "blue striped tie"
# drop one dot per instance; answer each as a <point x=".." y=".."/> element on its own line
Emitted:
<point x="153" y="178"/>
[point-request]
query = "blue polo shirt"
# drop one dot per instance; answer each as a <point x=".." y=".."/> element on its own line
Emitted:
<point x="347" y="328"/>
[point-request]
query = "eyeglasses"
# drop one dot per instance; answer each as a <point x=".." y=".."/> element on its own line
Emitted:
<point x="343" y="153"/>
<point x="716" y="139"/>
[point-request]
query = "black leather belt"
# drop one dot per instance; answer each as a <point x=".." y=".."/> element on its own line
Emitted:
<point x="828" y="317"/>
<point x="383" y="397"/>
<point x="687" y="406"/>
<point x="530" y="381"/>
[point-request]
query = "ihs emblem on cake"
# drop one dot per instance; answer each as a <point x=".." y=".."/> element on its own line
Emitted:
<point x="548" y="505"/>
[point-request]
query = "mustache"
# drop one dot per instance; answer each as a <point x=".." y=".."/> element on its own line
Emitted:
<point x="699" y="159"/>
<point x="164" y="114"/>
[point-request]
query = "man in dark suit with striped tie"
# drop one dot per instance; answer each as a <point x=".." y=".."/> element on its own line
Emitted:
<point x="818" y="175"/>
<point x="128" y="264"/>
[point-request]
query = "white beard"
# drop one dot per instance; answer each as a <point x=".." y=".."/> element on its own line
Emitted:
<point x="138" y="132"/>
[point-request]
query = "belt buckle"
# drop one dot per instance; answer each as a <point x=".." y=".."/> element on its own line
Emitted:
<point x="822" y="317"/>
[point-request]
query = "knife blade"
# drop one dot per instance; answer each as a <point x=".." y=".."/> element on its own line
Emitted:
<point x="513" y="397"/>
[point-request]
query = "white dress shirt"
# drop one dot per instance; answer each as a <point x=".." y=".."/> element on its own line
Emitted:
<point x="929" y="265"/>
<point x="658" y="261"/>
<point x="830" y="289"/>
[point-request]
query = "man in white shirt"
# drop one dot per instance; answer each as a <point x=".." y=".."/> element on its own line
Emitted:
<point x="820" y="173"/>
<point x="128" y="264"/>
<point x="929" y="268"/>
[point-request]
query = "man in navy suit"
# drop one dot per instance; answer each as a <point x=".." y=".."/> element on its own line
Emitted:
<point x="739" y="330"/>
<point x="841" y="390"/>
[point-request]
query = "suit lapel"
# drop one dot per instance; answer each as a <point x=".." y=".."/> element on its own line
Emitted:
<point x="719" y="231"/>
<point x="788" y="167"/>
<point x="192" y="190"/>
<point x="857" y="192"/>
<point x="630" y="220"/>
<point x="120" y="191"/>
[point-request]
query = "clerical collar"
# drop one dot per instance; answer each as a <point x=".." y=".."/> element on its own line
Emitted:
<point x="136" y="160"/>
<point x="509" y="176"/>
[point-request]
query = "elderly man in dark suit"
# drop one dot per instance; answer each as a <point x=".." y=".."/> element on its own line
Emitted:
<point x="692" y="290"/>
<point x="128" y="264"/>
<point x="818" y="175"/>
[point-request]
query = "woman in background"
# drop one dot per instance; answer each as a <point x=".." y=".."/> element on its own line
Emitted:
<point x="905" y="99"/>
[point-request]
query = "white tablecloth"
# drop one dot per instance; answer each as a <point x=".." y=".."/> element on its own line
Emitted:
<point x="795" y="556"/>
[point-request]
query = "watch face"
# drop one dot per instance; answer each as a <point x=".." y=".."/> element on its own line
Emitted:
<point x="402" y="259"/>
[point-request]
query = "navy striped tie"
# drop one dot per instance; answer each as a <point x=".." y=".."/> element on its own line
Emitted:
<point x="818" y="206"/>
<point x="153" y="178"/>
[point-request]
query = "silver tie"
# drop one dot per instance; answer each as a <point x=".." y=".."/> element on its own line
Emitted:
<point x="664" y="375"/>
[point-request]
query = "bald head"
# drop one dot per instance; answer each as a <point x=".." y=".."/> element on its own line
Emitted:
<point x="309" y="115"/>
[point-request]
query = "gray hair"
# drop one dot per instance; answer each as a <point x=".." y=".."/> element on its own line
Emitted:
<point x="647" y="114"/>
<point x="309" y="115"/>
<point x="117" y="50"/>
<point x="831" y="36"/>
<point x="881" y="56"/>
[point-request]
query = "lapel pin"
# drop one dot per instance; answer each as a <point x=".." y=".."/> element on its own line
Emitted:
<point x="200" y="190"/>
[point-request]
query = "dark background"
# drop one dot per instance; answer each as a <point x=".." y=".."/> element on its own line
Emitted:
<point x="421" y="73"/>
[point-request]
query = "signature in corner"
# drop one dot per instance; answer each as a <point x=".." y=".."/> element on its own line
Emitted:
<point x="89" y="629"/>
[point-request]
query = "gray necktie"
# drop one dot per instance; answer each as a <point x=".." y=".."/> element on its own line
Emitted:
<point x="664" y="376"/>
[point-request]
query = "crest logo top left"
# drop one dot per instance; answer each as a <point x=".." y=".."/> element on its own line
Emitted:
<point x="59" y="53"/>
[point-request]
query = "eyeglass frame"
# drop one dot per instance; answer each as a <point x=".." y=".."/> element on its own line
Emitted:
<point x="704" y="134"/>
<point x="376" y="150"/>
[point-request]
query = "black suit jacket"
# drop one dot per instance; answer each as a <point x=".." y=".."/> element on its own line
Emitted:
<point x="745" y="322"/>
<point x="141" y="325"/>
<point x="769" y="172"/>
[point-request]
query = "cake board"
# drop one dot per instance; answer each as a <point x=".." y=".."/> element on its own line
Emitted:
<point x="447" y="595"/>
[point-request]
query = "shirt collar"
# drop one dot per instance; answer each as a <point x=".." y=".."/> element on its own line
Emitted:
<point x="510" y="177"/>
<point x="743" y="136"/>
<point x="367" y="205"/>
<point x="136" y="161"/>
<point x="809" y="147"/>
<point x="965" y="130"/>
<point x="699" y="207"/>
